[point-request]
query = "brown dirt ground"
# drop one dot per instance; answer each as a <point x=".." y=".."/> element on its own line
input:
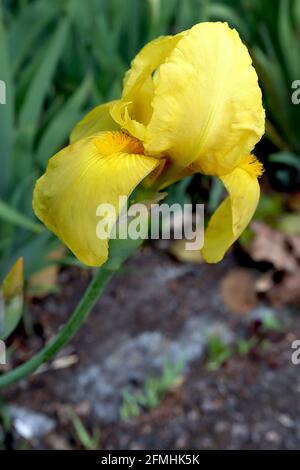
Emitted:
<point x="252" y="401"/>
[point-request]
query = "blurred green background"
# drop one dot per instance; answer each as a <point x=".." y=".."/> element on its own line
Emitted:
<point x="60" y="58"/>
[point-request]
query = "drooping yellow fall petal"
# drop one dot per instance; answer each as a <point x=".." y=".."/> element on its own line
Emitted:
<point x="97" y="120"/>
<point x="234" y="214"/>
<point x="87" y="173"/>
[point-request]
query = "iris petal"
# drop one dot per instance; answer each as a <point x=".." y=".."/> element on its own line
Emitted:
<point x="97" y="120"/>
<point x="78" y="179"/>
<point x="133" y="111"/>
<point x="207" y="104"/>
<point x="233" y="215"/>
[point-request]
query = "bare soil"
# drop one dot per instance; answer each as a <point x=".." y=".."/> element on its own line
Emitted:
<point x="152" y="310"/>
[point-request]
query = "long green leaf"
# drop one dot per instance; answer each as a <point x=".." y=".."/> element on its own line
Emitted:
<point x="27" y="28"/>
<point x="59" y="129"/>
<point x="6" y="109"/>
<point x="14" y="217"/>
<point x="275" y="91"/>
<point x="219" y="11"/>
<point x="39" y="88"/>
<point x="288" y="41"/>
<point x="286" y="158"/>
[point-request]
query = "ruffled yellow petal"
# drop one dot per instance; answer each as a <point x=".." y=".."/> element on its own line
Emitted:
<point x="234" y="214"/>
<point x="207" y="104"/>
<point x="97" y="120"/>
<point x="120" y="113"/>
<point x="146" y="61"/>
<point x="134" y="110"/>
<point x="89" y="172"/>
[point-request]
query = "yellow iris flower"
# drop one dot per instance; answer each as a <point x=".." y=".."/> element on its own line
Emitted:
<point x="190" y="103"/>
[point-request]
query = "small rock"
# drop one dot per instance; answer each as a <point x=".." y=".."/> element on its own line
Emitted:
<point x="240" y="430"/>
<point x="57" y="442"/>
<point x="273" y="437"/>
<point x="193" y="415"/>
<point x="286" y="420"/>
<point x="29" y="424"/>
<point x="206" y="443"/>
<point x="146" y="354"/>
<point x="211" y="405"/>
<point x="221" y="427"/>
<point x="182" y="441"/>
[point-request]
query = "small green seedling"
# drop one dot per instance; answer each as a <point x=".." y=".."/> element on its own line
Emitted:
<point x="271" y="323"/>
<point x="154" y="391"/>
<point x="244" y="346"/>
<point x="88" y="441"/>
<point x="218" y="352"/>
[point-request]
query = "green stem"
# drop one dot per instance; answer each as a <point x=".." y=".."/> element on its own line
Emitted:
<point x="119" y="251"/>
<point x="102" y="277"/>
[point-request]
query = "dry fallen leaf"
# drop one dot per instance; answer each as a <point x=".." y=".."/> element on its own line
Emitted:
<point x="238" y="291"/>
<point x="272" y="246"/>
<point x="281" y="248"/>
<point x="294" y="201"/>
<point x="287" y="291"/>
<point x="295" y="245"/>
<point x="265" y="282"/>
<point x="58" y="442"/>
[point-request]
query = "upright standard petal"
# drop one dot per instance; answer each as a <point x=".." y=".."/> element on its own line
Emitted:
<point x="97" y="120"/>
<point x="234" y="214"/>
<point x="134" y="110"/>
<point x="207" y="104"/>
<point x="92" y="171"/>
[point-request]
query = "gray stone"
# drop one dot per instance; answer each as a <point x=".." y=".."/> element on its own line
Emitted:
<point x="30" y="424"/>
<point x="135" y="359"/>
